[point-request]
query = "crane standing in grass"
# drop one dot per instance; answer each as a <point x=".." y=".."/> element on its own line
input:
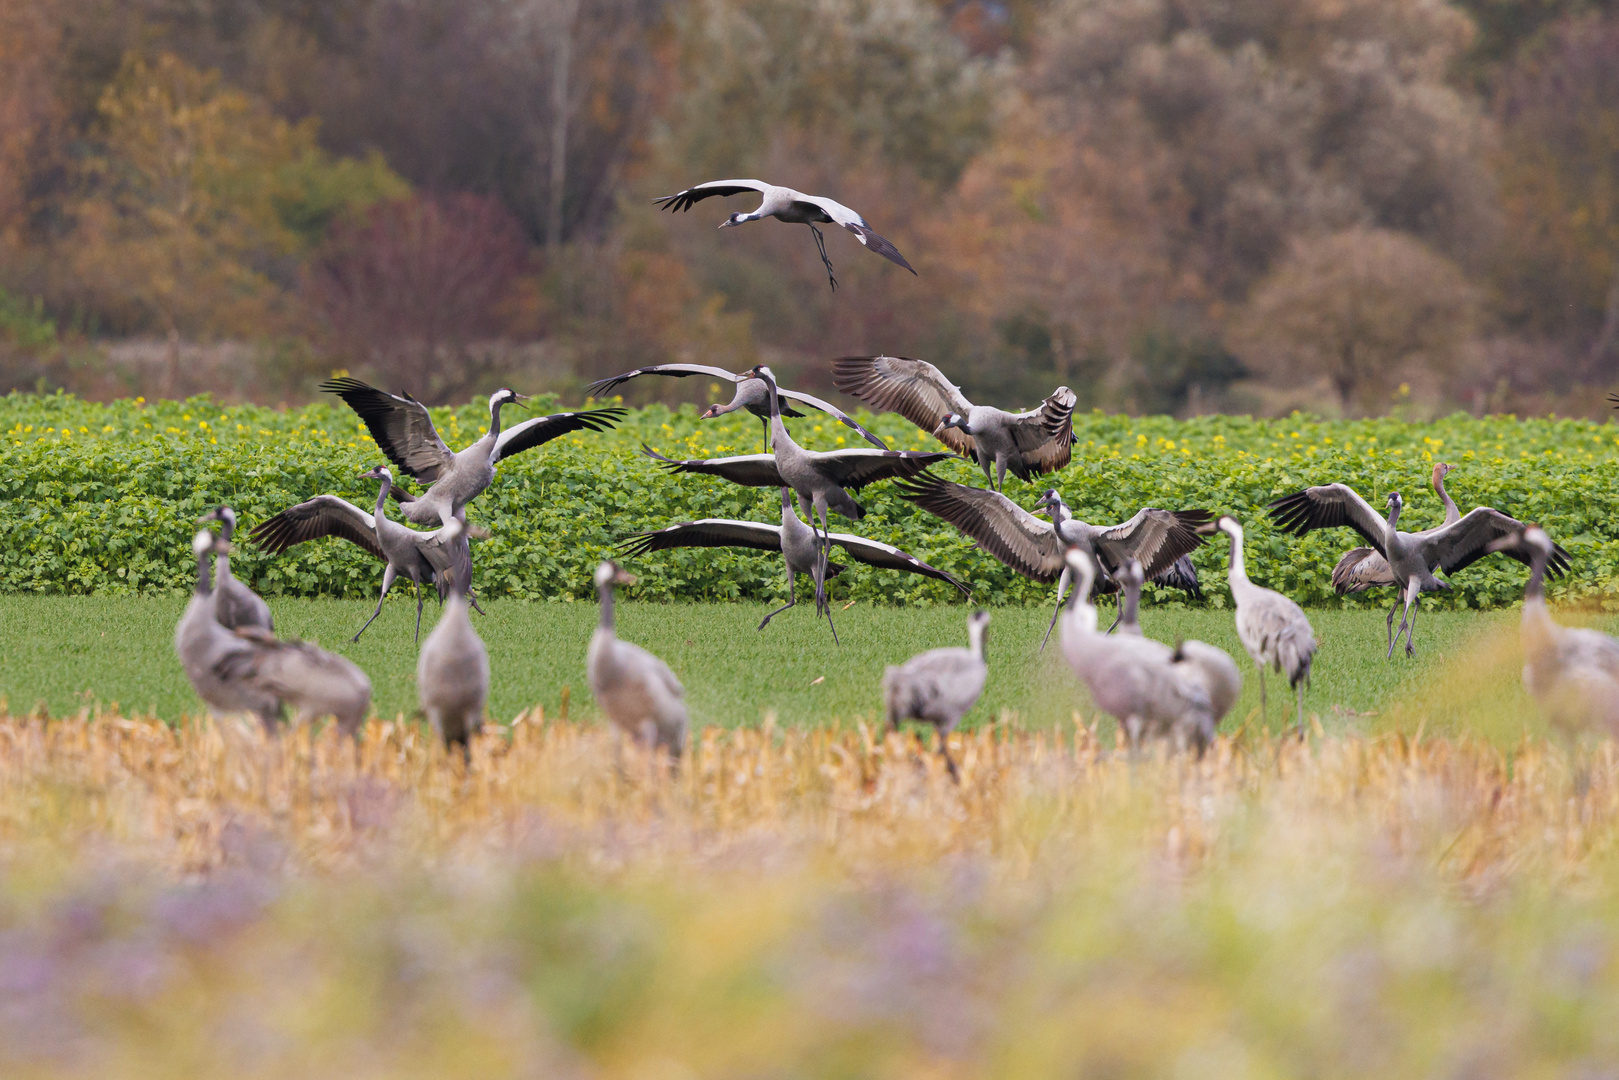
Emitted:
<point x="635" y="689"/>
<point x="1218" y="671"/>
<point x="452" y="671"/>
<point x="1271" y="627"/>
<point x="1150" y="694"/>
<point x="209" y="651"/>
<point x="939" y="686"/>
<point x="250" y="670"/>
<point x="1572" y="673"/>
<point x="236" y="604"/>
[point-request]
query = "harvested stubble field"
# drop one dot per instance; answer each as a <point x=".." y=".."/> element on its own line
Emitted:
<point x="190" y="902"/>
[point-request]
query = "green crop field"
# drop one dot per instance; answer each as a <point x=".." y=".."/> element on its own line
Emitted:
<point x="101" y="498"/>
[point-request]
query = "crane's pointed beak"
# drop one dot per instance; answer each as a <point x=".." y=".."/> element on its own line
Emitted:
<point x="623" y="578"/>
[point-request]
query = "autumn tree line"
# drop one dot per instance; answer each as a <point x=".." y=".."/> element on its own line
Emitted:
<point x="1351" y="206"/>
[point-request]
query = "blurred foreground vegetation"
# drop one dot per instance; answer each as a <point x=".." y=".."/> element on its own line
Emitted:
<point x="800" y="903"/>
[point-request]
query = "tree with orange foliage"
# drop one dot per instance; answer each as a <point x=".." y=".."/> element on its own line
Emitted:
<point x="1360" y="307"/>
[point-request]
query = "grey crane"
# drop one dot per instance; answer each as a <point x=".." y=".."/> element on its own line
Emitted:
<point x="1363" y="568"/>
<point x="422" y="557"/>
<point x="1271" y="627"/>
<point x="820" y="479"/>
<point x="1219" y="672"/>
<point x="1572" y="673"/>
<point x="635" y="689"/>
<point x="314" y="682"/>
<point x="1161" y="539"/>
<point x="939" y="686"/>
<point x="452" y="670"/>
<point x="250" y="670"/>
<point x="793" y="207"/>
<point x="797" y="543"/>
<point x="236" y="604"/>
<point x="1030" y="443"/>
<point x="1151" y="691"/>
<point x="208" y="650"/>
<point x="750" y="394"/>
<point x="404" y="431"/>
<point x="1413" y="557"/>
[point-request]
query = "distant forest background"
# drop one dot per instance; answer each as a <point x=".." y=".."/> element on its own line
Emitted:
<point x="1179" y="206"/>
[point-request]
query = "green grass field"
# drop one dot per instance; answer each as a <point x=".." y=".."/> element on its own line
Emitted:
<point x="67" y="653"/>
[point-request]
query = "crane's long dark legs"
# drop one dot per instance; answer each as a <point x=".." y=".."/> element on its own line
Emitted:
<point x="418" y="582"/>
<point x="1405" y="620"/>
<point x="1062" y="588"/>
<point x="387" y="583"/>
<point x="1263" y="707"/>
<point x="1411" y="634"/>
<point x="792" y="598"/>
<point x="1397" y="600"/>
<point x="1299" y="686"/>
<point x="949" y="762"/>
<point x="820" y="244"/>
<point x="823" y="545"/>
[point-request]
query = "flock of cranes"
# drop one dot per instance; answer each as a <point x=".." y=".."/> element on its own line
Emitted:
<point x="228" y="648"/>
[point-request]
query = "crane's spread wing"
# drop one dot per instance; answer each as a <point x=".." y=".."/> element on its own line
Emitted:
<point x="542" y="429"/>
<point x="833" y="411"/>
<point x="1326" y="507"/>
<point x="399" y="424"/>
<point x="324" y="515"/>
<point x="1360" y="569"/>
<point x="1181" y="574"/>
<point x="602" y="387"/>
<point x="683" y="200"/>
<point x="1045" y="436"/>
<point x="876" y="243"/>
<point x="889" y="557"/>
<point x="854" y="469"/>
<point x="708" y="532"/>
<point x="1156" y="537"/>
<point x="1470" y="539"/>
<point x="998" y="525"/>
<point x="913" y="388"/>
<point x="749" y="470"/>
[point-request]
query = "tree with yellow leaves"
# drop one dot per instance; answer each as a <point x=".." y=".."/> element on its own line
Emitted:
<point x="198" y="201"/>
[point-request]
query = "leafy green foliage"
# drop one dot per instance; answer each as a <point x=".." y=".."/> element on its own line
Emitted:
<point x="102" y="498"/>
